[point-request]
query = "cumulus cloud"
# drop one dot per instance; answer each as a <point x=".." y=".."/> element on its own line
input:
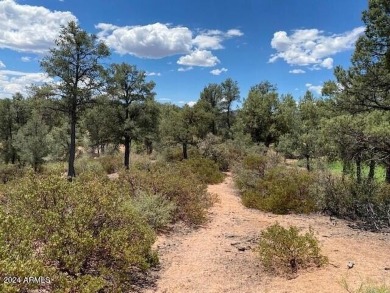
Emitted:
<point x="314" y="88"/>
<point x="297" y="71"/>
<point x="12" y="82"/>
<point x="2" y="65"/>
<point x="311" y="47"/>
<point x="159" y="40"/>
<point x="212" y="39"/>
<point x="150" y="41"/>
<point x="202" y="58"/>
<point x="27" y="28"/>
<point x="218" y="71"/>
<point x="208" y="42"/>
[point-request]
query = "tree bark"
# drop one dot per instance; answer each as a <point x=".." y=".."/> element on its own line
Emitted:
<point x="308" y="167"/>
<point x="388" y="173"/>
<point x="127" y="152"/>
<point x="72" y="146"/>
<point x="371" y="173"/>
<point x="185" y="153"/>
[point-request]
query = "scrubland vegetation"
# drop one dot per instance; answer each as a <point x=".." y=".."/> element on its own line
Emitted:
<point x="89" y="233"/>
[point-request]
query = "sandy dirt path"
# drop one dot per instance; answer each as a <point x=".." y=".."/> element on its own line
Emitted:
<point x="219" y="257"/>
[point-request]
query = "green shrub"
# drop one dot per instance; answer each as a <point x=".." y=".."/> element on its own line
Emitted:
<point x="10" y="172"/>
<point x="279" y="190"/>
<point x="285" y="250"/>
<point x="367" y="202"/>
<point x="214" y="149"/>
<point x="176" y="183"/>
<point x="86" y="164"/>
<point x="111" y="164"/>
<point x="206" y="170"/>
<point x="54" y="168"/>
<point x="155" y="209"/>
<point x="85" y="235"/>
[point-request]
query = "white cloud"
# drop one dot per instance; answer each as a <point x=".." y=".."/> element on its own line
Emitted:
<point x="153" y="74"/>
<point x="314" y="88"/>
<point x="191" y="103"/>
<point x="2" y="65"/>
<point x="158" y="40"/>
<point x="218" y="71"/>
<point x="27" y="28"/>
<point x="183" y="69"/>
<point x="212" y="39"/>
<point x="311" y="47"/>
<point x="12" y="82"/>
<point x="208" y="42"/>
<point x="297" y="71"/>
<point x="199" y="58"/>
<point x="25" y="59"/>
<point x="234" y="33"/>
<point x="150" y="41"/>
<point x="327" y="63"/>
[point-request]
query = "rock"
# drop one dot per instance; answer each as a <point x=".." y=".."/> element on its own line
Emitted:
<point x="350" y="265"/>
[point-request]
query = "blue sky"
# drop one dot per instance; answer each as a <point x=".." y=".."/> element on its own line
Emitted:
<point x="184" y="45"/>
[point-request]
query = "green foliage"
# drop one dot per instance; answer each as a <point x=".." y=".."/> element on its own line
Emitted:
<point x="156" y="209"/>
<point x="206" y="170"/>
<point x="285" y="250"/>
<point x="268" y="186"/>
<point x="31" y="142"/>
<point x="175" y="182"/>
<point x="110" y="164"/>
<point x="86" y="164"/>
<point x="84" y="236"/>
<point x="258" y="113"/>
<point x="367" y="202"/>
<point x="75" y="64"/>
<point x="211" y="147"/>
<point x="283" y="191"/>
<point x="10" y="172"/>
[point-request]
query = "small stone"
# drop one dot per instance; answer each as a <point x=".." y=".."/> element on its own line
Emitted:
<point x="350" y="265"/>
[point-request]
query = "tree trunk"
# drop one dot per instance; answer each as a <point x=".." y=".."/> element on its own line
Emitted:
<point x="72" y="146"/>
<point x="371" y="173"/>
<point x="149" y="147"/>
<point x="388" y="173"/>
<point x="228" y="117"/>
<point x="127" y="151"/>
<point x="358" y="170"/>
<point x="308" y="167"/>
<point x="185" y="153"/>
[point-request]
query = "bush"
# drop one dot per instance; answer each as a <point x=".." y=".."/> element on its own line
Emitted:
<point x="266" y="186"/>
<point x="284" y="250"/>
<point x="84" y="235"/>
<point x="214" y="149"/>
<point x="206" y="170"/>
<point x="155" y="209"/>
<point x="111" y="164"/>
<point x="367" y="202"/>
<point x="10" y="172"/>
<point x="86" y="164"/>
<point x="176" y="183"/>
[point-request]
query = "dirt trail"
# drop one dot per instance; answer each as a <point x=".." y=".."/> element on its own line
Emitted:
<point x="219" y="257"/>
